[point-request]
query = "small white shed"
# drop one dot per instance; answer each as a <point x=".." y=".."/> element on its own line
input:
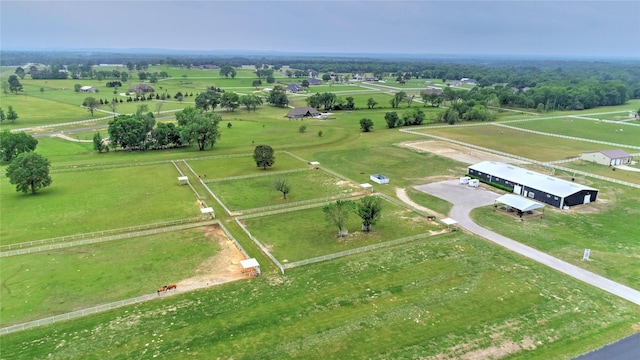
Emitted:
<point x="474" y="183"/>
<point x="183" y="180"/>
<point x="207" y="212"/>
<point x="380" y="179"/>
<point x="464" y="180"/>
<point x="250" y="267"/>
<point x="368" y="187"/>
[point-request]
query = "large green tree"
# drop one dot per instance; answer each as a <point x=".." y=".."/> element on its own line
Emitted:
<point x="127" y="131"/>
<point x="264" y="156"/>
<point x="12" y="115"/>
<point x="278" y="97"/>
<point x="230" y="100"/>
<point x="337" y="213"/>
<point x="369" y="208"/>
<point x="91" y="104"/>
<point x="14" y="84"/>
<point x="251" y="101"/>
<point x="29" y="172"/>
<point x="366" y="124"/>
<point x="98" y="143"/>
<point x="14" y="144"/>
<point x="20" y="72"/>
<point x="208" y="100"/>
<point x="198" y="126"/>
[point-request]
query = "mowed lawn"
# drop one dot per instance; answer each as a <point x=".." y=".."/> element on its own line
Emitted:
<point x="586" y="129"/>
<point x="222" y="167"/>
<point x="303" y="234"/>
<point x="39" y="285"/>
<point x="33" y="112"/>
<point x="243" y="194"/>
<point x="93" y="200"/>
<point x="522" y="143"/>
<point x="451" y="297"/>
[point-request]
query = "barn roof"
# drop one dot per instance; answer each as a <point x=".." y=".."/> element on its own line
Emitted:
<point x="615" y="154"/>
<point x="528" y="178"/>
<point x="303" y="111"/>
<point x="519" y="202"/>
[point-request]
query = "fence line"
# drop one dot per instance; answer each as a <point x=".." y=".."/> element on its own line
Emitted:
<point x="542" y="163"/>
<point x="566" y="136"/>
<point x="97" y="233"/>
<point x="264" y="249"/>
<point x="239" y="177"/>
<point x="32" y="250"/>
<point x="355" y="251"/>
<point x="235" y="241"/>
<point x="295" y="204"/>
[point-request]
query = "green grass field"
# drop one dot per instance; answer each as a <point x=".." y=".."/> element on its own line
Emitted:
<point x="448" y="296"/>
<point x="58" y="281"/>
<point x="304" y="234"/>
<point x="86" y="201"/>
<point x="451" y="296"/>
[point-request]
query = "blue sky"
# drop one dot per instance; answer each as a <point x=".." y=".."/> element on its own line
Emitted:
<point x="556" y="28"/>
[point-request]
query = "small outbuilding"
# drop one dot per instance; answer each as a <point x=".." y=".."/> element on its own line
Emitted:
<point x="367" y="187"/>
<point x="90" y="89"/>
<point x="608" y="157"/>
<point x="450" y="223"/>
<point x="250" y="267"/>
<point x="302" y="112"/>
<point x="141" y="88"/>
<point x="207" y="212"/>
<point x="380" y="179"/>
<point x="183" y="180"/>
<point x="519" y="204"/>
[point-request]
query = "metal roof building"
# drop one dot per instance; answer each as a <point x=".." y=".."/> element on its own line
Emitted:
<point x="544" y="188"/>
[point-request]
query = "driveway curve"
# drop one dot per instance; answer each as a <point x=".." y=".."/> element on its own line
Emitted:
<point x="465" y="199"/>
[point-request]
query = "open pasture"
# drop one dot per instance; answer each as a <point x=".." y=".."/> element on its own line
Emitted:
<point x="603" y="170"/>
<point x="586" y="129"/>
<point x="93" y="200"/>
<point x="522" y="143"/>
<point x="222" y="167"/>
<point x="256" y="192"/>
<point x="303" y="234"/>
<point x="49" y="283"/>
<point x="34" y="111"/>
<point x="448" y="296"/>
<point x="608" y="227"/>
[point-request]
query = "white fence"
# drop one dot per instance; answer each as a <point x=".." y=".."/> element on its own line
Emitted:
<point x="97" y="233"/>
<point x="262" y="247"/>
<point x="128" y="235"/>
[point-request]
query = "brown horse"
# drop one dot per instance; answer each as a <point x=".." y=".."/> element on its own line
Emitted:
<point x="170" y="287"/>
<point x="161" y="290"/>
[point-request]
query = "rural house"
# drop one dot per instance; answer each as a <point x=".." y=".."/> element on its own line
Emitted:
<point x="293" y="88"/>
<point x="608" y="157"/>
<point x="141" y="88"/>
<point x="314" y="81"/>
<point x="543" y="188"/>
<point x="303" y="112"/>
<point x="90" y="89"/>
<point x="430" y="91"/>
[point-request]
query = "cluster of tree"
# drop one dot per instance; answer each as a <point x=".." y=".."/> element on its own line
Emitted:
<point x="115" y="84"/>
<point x="14" y="84"/>
<point x="152" y="76"/>
<point x="330" y="102"/>
<point x="11" y="115"/>
<point x="296" y="73"/>
<point x="27" y="170"/>
<point x="227" y="71"/>
<point x="369" y="209"/>
<point x="467" y="111"/>
<point x="278" y="97"/>
<point x="49" y="73"/>
<point x="140" y="132"/>
<point x="411" y="117"/>
<point x="401" y="97"/>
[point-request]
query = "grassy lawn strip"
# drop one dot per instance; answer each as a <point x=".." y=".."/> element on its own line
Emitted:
<point x="258" y="191"/>
<point x="585" y="129"/>
<point x="547" y="148"/>
<point x="429" y="201"/>
<point x="45" y="284"/>
<point x="304" y="234"/>
<point x="446" y="297"/>
<point x="93" y="201"/>
<point x="242" y="165"/>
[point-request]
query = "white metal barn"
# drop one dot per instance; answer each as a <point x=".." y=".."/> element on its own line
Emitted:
<point x="608" y="157"/>
<point x="544" y="188"/>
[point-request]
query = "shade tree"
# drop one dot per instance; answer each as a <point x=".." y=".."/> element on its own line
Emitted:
<point x="264" y="156"/>
<point x="14" y="144"/>
<point x="29" y="172"/>
<point x="369" y="208"/>
<point x="338" y="213"/>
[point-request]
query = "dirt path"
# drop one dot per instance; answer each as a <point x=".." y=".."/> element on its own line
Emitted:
<point x="402" y="195"/>
<point x="221" y="268"/>
<point x="69" y="138"/>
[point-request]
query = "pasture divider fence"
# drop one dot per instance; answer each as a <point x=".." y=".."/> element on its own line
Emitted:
<point x="262" y="247"/>
<point x="127" y="235"/>
<point x="355" y="251"/>
<point x="249" y="176"/>
<point x="94" y="234"/>
<point x="235" y="241"/>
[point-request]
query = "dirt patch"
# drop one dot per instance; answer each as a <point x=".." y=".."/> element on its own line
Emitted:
<point x="69" y="138"/>
<point x="456" y="152"/>
<point x="223" y="267"/>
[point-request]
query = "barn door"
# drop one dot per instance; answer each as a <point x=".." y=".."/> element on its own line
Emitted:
<point x="587" y="199"/>
<point x="517" y="189"/>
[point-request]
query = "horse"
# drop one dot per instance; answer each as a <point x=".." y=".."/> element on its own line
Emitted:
<point x="170" y="287"/>
<point x="161" y="290"/>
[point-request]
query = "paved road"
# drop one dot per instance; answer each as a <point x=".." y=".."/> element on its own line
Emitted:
<point x="465" y="198"/>
<point x="625" y="349"/>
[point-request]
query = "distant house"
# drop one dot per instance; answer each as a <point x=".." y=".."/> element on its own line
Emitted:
<point x="436" y="91"/>
<point x="428" y="83"/>
<point x="141" y="88"/>
<point x="293" y="88"/>
<point x="90" y="89"/>
<point x="370" y="79"/>
<point x="313" y="73"/>
<point x="608" y="157"/>
<point x="303" y="112"/>
<point x="314" y="81"/>
<point x="455" y="83"/>
<point x="208" y="67"/>
<point x="468" y="81"/>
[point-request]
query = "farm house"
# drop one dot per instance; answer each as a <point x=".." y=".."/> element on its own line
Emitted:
<point x="302" y="112"/>
<point x="540" y="187"/>
<point x="608" y="157"/>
